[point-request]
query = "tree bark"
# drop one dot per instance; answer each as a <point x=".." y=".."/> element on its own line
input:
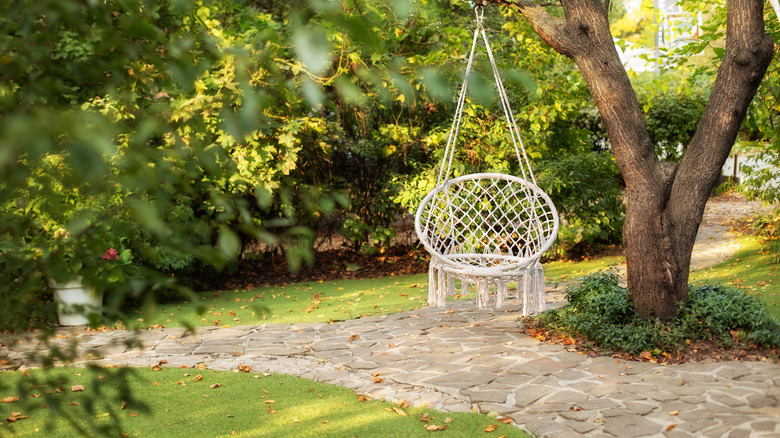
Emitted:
<point x="664" y="201"/>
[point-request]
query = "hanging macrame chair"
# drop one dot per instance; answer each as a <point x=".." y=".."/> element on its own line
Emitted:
<point x="486" y="229"/>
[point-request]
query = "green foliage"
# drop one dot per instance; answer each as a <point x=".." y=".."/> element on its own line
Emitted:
<point x="768" y="227"/>
<point x="602" y="311"/>
<point x="671" y="121"/>
<point x="586" y="190"/>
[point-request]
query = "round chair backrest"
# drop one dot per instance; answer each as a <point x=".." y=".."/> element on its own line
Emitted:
<point x="487" y="223"/>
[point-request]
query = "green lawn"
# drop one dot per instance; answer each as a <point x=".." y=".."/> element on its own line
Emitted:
<point x="202" y="403"/>
<point x="321" y="301"/>
<point x="751" y="269"/>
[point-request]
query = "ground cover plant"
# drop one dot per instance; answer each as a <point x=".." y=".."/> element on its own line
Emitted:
<point x="319" y="301"/>
<point x="175" y="402"/>
<point x="601" y="313"/>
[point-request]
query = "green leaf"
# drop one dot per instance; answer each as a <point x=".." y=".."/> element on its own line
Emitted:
<point x="229" y="243"/>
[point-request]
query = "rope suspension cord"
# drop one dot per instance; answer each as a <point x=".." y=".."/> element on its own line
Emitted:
<point x="514" y="132"/>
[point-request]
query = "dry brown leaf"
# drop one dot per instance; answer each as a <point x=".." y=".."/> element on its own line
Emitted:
<point x="133" y="414"/>
<point x="244" y="368"/>
<point x="155" y="384"/>
<point x="448" y="420"/>
<point x="352" y="338"/>
<point x="16" y="416"/>
<point x="10" y="399"/>
<point x="399" y="412"/>
<point x="74" y="403"/>
<point x="433" y="427"/>
<point x="671" y="426"/>
<point x="77" y="388"/>
<point x="216" y="385"/>
<point x="200" y="366"/>
<point x="181" y="383"/>
<point x="270" y="402"/>
<point x="491" y="428"/>
<point x="124" y="405"/>
<point x="198" y="378"/>
<point x="674" y="412"/>
<point x="506" y="420"/>
<point x="378" y="379"/>
<point x="362" y="398"/>
<point x="295" y="420"/>
<point x="404" y="404"/>
<point x="271" y="410"/>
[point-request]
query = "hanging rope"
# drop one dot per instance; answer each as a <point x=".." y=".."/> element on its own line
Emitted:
<point x="514" y="132"/>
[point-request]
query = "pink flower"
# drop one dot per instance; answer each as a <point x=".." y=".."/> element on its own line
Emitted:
<point x="110" y="255"/>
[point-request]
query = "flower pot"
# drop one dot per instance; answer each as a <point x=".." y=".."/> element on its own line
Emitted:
<point x="75" y="302"/>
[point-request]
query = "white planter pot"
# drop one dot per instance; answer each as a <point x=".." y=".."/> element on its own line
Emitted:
<point x="75" y="302"/>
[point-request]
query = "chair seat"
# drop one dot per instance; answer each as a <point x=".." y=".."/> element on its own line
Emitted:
<point x="487" y="224"/>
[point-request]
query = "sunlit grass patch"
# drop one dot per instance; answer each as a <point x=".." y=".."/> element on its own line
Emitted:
<point x="751" y="269"/>
<point x="291" y="303"/>
<point x="193" y="402"/>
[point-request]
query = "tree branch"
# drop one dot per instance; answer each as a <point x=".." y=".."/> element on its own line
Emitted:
<point x="548" y="27"/>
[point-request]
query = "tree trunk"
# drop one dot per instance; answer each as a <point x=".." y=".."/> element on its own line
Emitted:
<point x="665" y="202"/>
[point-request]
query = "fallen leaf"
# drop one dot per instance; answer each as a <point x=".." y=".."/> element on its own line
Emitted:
<point x="448" y="420"/>
<point x="399" y="412"/>
<point x="295" y="420"/>
<point x="158" y="365"/>
<point x="216" y="385"/>
<point x="433" y="427"/>
<point x="198" y="378"/>
<point x="10" y="399"/>
<point x="77" y="388"/>
<point x="362" y="398"/>
<point x="674" y="412"/>
<point x="244" y="368"/>
<point x="404" y="405"/>
<point x="200" y="366"/>
<point x="271" y="410"/>
<point x="506" y="420"/>
<point x="352" y="338"/>
<point x="270" y="402"/>
<point x="671" y="426"/>
<point x="134" y="414"/>
<point x="491" y="428"/>
<point x="16" y="416"/>
<point x="124" y="405"/>
<point x="74" y="403"/>
<point x="181" y="383"/>
<point x="378" y="379"/>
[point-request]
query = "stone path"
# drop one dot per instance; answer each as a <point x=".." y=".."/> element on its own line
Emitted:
<point x="460" y="358"/>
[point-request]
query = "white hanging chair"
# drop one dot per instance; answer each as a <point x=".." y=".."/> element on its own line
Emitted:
<point x="487" y="229"/>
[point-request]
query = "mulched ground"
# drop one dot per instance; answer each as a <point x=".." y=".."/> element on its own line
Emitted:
<point x="700" y="351"/>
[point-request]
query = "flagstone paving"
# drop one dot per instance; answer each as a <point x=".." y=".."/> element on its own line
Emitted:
<point x="461" y="358"/>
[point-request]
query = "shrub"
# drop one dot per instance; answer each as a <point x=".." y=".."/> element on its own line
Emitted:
<point x="602" y="311"/>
